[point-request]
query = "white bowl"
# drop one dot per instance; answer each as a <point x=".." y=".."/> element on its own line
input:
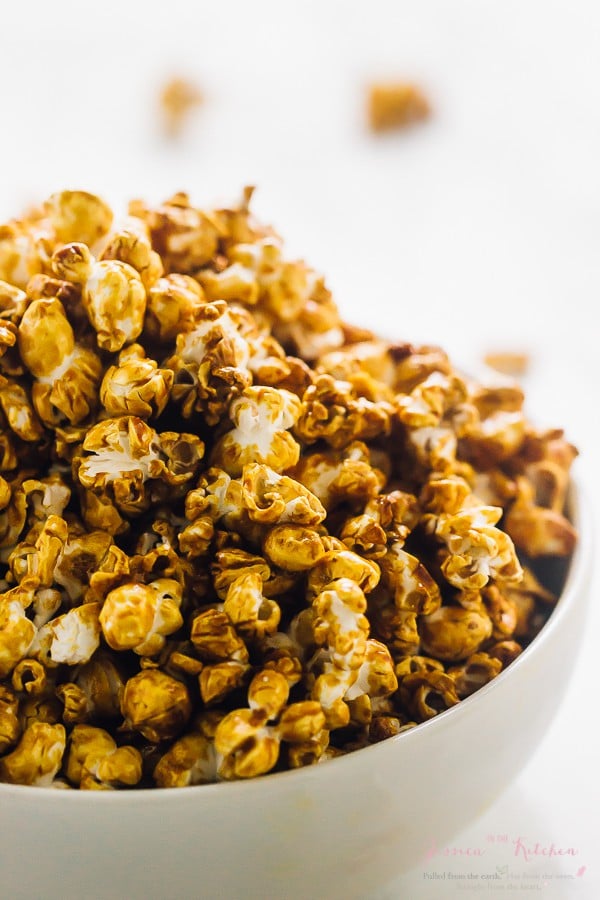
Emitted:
<point x="338" y="829"/>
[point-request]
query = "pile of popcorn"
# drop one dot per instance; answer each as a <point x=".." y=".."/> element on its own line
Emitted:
<point x="237" y="534"/>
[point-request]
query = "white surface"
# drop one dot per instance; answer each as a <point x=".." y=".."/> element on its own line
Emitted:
<point x="477" y="229"/>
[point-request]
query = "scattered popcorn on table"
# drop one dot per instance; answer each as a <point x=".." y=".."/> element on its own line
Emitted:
<point x="237" y="534"/>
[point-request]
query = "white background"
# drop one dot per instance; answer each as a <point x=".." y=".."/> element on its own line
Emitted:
<point x="477" y="230"/>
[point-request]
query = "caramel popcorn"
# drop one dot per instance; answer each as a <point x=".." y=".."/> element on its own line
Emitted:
<point x="237" y="534"/>
<point x="177" y="99"/>
<point x="396" y="105"/>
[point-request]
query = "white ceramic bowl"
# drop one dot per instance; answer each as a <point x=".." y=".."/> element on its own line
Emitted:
<point x="334" y="830"/>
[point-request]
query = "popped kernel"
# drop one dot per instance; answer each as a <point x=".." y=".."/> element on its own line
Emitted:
<point x="238" y="534"/>
<point x="396" y="105"/>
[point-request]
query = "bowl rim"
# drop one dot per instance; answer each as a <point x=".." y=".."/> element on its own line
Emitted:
<point x="579" y="572"/>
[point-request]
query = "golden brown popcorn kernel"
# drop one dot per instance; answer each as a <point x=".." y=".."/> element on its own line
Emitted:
<point x="78" y="216"/>
<point x="340" y="476"/>
<point x="76" y="635"/>
<point x="248" y="745"/>
<point x="383" y="727"/>
<point x="252" y="614"/>
<point x="396" y="104"/>
<point x="218" y="680"/>
<point x="413" y="587"/>
<point x="10" y="727"/>
<point x="405" y="665"/>
<point x="425" y="694"/>
<point x="215" y="638"/>
<point x="131" y="244"/>
<point x="501" y="610"/>
<point x="37" y="757"/>
<point x="536" y="530"/>
<point x="156" y="705"/>
<point x="67" y="374"/>
<point x="178" y="97"/>
<point x="452" y="633"/>
<point x="268" y="691"/>
<point x="20" y="415"/>
<point x="340" y="562"/>
<point x="476" y="671"/>
<point x="173" y="302"/>
<point x="136" y="386"/>
<point x="23" y="251"/>
<point x="261" y="417"/>
<point x="185" y="237"/>
<point x="475" y="550"/>
<point x="272" y="498"/>
<point x="113" y="294"/>
<point x="138" y="617"/>
<point x="120" y="768"/>
<point x="190" y="760"/>
<point x="332" y="411"/>
<point x="16" y="630"/>
<point x="86" y="741"/>
<point x="30" y="677"/>
<point x="505" y="651"/>
<point x="76" y="706"/>
<point x="293" y="548"/>
<point x="301" y="722"/>
<point x="102" y="682"/>
<point x="508" y="362"/>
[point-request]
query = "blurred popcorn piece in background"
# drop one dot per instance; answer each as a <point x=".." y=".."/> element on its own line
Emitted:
<point x="393" y="105"/>
<point x="509" y="362"/>
<point x="178" y="98"/>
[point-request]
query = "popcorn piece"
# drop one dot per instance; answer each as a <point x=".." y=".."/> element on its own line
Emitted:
<point x="475" y="549"/>
<point x="76" y="635"/>
<point x="396" y="105"/>
<point x="10" y="727"/>
<point x="112" y="292"/>
<point x="137" y="386"/>
<point x="138" y="617"/>
<point x="124" y="453"/>
<point x="29" y="677"/>
<point x="66" y="373"/>
<point x="215" y="638"/>
<point x="16" y="630"/>
<point x="211" y="359"/>
<point x="452" y="633"/>
<point x="131" y="244"/>
<point x="271" y="498"/>
<point x="294" y="548"/>
<point x="476" y="671"/>
<point x="508" y="362"/>
<point x="37" y="757"/>
<point x="96" y="763"/>
<point x="261" y="417"/>
<point x="178" y="97"/>
<point x="332" y="411"/>
<point x="78" y="216"/>
<point x="341" y="476"/>
<point x="536" y="530"/>
<point x="190" y="760"/>
<point x="185" y="237"/>
<point x="341" y="629"/>
<point x="425" y="694"/>
<point x="172" y="307"/>
<point x="252" y="614"/>
<point x="156" y="705"/>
